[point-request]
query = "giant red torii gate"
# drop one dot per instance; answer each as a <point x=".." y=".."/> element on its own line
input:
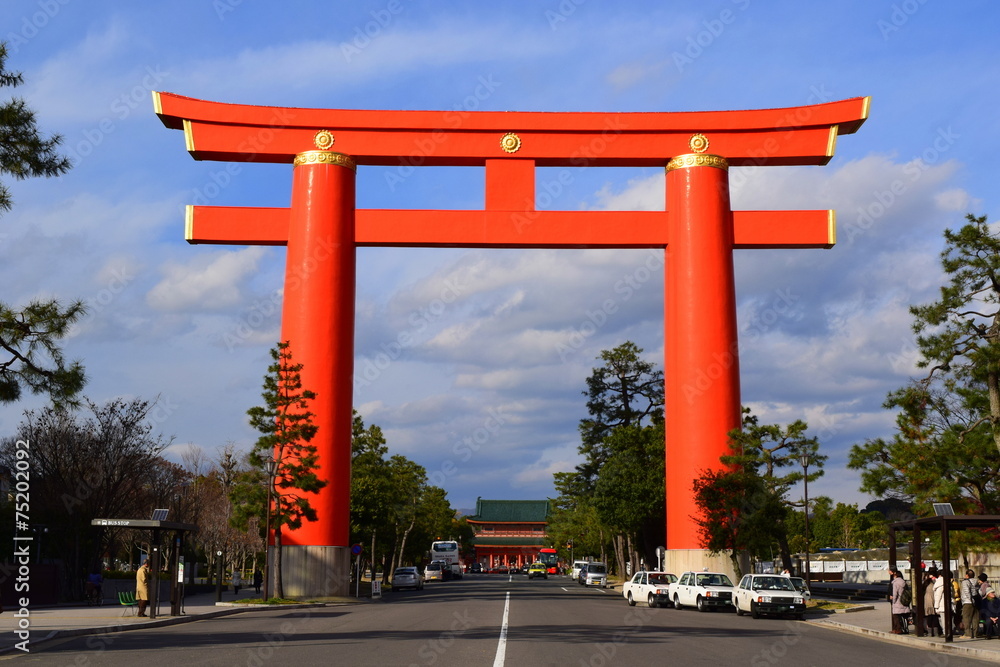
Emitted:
<point x="698" y="231"/>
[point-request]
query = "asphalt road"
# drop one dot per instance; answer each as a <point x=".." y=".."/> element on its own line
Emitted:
<point x="462" y="623"/>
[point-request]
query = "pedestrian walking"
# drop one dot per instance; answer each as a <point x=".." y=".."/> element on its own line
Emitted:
<point x="237" y="582"/>
<point x="258" y="579"/>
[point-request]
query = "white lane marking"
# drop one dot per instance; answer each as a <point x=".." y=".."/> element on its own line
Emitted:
<point x="502" y="646"/>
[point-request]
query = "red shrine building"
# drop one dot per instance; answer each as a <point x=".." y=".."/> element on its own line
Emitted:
<point x="509" y="532"/>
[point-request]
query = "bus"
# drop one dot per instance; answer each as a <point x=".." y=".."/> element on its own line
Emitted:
<point x="548" y="556"/>
<point x="447" y="551"/>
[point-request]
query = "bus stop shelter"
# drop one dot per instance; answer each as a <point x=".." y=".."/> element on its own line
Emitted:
<point x="157" y="528"/>
<point x="944" y="525"/>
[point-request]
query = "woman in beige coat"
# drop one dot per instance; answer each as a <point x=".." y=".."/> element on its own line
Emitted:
<point x="142" y="579"/>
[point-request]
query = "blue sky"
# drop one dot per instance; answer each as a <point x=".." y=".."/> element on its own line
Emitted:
<point x="825" y="334"/>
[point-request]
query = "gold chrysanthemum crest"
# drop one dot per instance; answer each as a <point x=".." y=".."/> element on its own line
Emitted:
<point x="510" y="143"/>
<point x="323" y="140"/>
<point x="698" y="143"/>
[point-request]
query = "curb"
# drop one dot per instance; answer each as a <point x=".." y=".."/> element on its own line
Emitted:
<point x="907" y="640"/>
<point x="233" y="608"/>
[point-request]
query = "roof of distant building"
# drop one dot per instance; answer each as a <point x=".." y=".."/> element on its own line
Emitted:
<point x="510" y="511"/>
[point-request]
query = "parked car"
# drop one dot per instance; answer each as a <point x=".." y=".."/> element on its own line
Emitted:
<point x="476" y="568"/>
<point x="434" y="571"/>
<point x="538" y="570"/>
<point x="800" y="585"/>
<point x="577" y="566"/>
<point x="703" y="590"/>
<point x="768" y="594"/>
<point x="593" y="574"/>
<point x="652" y="587"/>
<point x="407" y="577"/>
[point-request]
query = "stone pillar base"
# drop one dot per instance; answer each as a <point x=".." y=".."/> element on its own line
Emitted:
<point x="677" y="561"/>
<point x="314" y="572"/>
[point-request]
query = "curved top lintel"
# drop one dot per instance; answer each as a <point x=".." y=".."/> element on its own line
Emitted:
<point x="847" y="115"/>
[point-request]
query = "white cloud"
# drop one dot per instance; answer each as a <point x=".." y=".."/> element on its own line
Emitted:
<point x="206" y="282"/>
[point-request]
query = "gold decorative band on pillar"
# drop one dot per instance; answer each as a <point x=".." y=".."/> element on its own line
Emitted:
<point x="325" y="157"/>
<point x="697" y="160"/>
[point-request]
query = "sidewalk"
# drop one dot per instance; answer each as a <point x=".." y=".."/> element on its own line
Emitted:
<point x="61" y="621"/>
<point x="877" y="622"/>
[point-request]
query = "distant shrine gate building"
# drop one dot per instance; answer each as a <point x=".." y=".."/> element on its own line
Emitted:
<point x="697" y="232"/>
<point x="509" y="532"/>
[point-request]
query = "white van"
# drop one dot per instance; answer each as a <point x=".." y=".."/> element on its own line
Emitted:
<point x="577" y="566"/>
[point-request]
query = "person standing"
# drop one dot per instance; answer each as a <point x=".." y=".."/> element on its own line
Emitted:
<point x="940" y="600"/>
<point x="142" y="580"/>
<point x="900" y="611"/>
<point x="258" y="579"/>
<point x="931" y="618"/>
<point x="237" y="582"/>
<point x="967" y="598"/>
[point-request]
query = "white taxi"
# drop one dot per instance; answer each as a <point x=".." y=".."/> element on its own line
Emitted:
<point x="651" y="587"/>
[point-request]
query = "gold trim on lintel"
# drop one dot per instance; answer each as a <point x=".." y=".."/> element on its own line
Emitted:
<point x="324" y="140"/>
<point x="698" y="160"/>
<point x="157" y="106"/>
<point x="325" y="157"/>
<point x="188" y="136"/>
<point x="698" y="143"/>
<point x="831" y="144"/>
<point x="865" y="107"/>
<point x="831" y="228"/>
<point x="510" y="143"/>
<point x="189" y="223"/>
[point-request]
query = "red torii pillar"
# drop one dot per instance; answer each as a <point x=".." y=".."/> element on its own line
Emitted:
<point x="698" y="232"/>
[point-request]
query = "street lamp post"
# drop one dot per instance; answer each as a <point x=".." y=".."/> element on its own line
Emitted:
<point x="804" y="460"/>
<point x="269" y="465"/>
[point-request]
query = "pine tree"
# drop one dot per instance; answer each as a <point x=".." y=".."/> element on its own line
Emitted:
<point x="286" y="427"/>
<point x="23" y="152"/>
<point x="29" y="355"/>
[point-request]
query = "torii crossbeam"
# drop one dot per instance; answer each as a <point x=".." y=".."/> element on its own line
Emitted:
<point x="698" y="231"/>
